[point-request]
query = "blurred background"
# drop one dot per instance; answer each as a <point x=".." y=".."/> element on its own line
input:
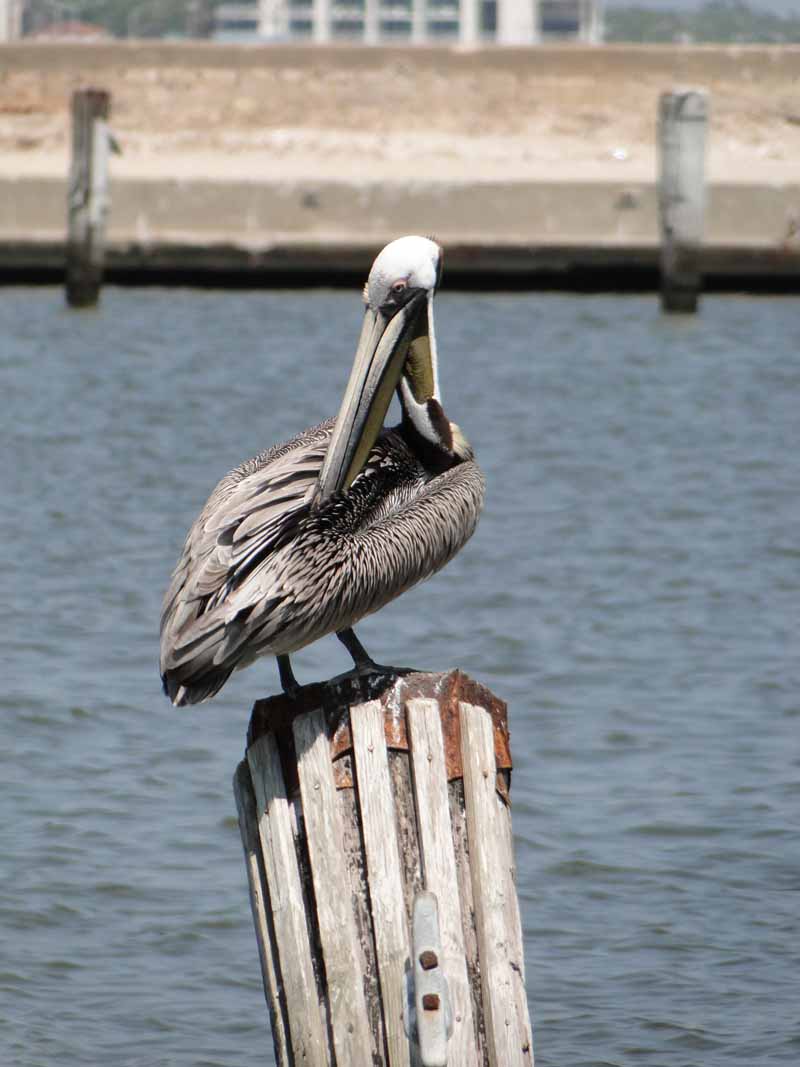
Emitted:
<point x="773" y="21"/>
<point x="631" y="591"/>
<point x="526" y="141"/>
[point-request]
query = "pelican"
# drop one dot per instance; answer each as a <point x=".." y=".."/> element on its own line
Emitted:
<point x="312" y="535"/>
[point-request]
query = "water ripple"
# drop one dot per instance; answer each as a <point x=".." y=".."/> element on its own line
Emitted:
<point x="631" y="591"/>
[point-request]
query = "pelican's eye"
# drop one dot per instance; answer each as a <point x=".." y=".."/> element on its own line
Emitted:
<point x="399" y="293"/>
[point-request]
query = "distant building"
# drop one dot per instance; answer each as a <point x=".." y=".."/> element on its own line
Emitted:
<point x="10" y="20"/>
<point x="71" y="30"/>
<point x="418" y="21"/>
<point x="237" y="22"/>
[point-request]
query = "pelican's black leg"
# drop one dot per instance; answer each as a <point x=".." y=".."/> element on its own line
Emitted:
<point x="365" y="664"/>
<point x="361" y="658"/>
<point x="290" y="684"/>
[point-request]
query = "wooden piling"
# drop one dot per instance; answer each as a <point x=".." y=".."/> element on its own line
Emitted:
<point x="87" y="206"/>
<point x="375" y="817"/>
<point x="682" y="122"/>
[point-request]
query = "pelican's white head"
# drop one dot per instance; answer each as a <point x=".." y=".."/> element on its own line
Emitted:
<point x="403" y="267"/>
<point x="396" y="350"/>
<point x="409" y="269"/>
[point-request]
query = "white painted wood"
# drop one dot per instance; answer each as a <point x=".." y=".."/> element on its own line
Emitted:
<point x="513" y="921"/>
<point x="256" y="879"/>
<point x="439" y="866"/>
<point x="513" y="918"/>
<point x="348" y="1010"/>
<point x="508" y="1039"/>
<point x="308" y="1039"/>
<point x="379" y="826"/>
<point x="682" y="123"/>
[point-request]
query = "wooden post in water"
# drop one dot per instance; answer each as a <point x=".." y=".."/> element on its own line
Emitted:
<point x="682" y="121"/>
<point x="377" y="834"/>
<point x="87" y="206"/>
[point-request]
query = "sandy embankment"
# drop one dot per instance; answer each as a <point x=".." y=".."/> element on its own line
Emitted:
<point x="393" y="118"/>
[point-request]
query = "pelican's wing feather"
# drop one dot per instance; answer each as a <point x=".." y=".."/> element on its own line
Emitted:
<point x="250" y="514"/>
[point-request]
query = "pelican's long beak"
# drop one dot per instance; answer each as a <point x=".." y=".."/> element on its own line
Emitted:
<point x="421" y="367"/>
<point x="378" y="366"/>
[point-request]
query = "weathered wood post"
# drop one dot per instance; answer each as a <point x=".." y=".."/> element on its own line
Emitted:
<point x="377" y="835"/>
<point x="683" y="117"/>
<point x="88" y="199"/>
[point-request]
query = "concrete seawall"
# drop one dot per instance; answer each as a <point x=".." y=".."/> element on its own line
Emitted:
<point x="283" y="229"/>
<point x="510" y="166"/>
<point x="692" y="62"/>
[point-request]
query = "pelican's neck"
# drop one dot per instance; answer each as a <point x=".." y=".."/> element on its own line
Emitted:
<point x="427" y="430"/>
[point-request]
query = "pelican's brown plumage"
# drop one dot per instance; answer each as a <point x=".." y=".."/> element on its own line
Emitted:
<point x="310" y="536"/>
